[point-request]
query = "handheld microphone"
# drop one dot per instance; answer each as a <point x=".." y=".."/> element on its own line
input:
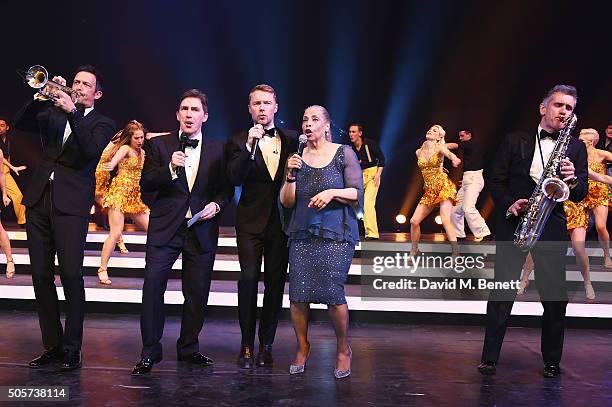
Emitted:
<point x="255" y="143"/>
<point x="302" y="144"/>
<point x="182" y="144"/>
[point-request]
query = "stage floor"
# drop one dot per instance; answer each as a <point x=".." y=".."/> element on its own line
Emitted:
<point x="393" y="365"/>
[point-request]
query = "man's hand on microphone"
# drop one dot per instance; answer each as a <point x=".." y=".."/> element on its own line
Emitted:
<point x="255" y="132"/>
<point x="178" y="159"/>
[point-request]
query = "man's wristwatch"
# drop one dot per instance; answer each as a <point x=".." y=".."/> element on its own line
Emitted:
<point x="73" y="111"/>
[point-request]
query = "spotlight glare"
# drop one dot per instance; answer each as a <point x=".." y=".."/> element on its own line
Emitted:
<point x="401" y="219"/>
<point x="438" y="220"/>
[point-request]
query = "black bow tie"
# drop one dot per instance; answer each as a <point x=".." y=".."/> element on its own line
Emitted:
<point x="544" y="134"/>
<point x="188" y="142"/>
<point x="270" y="132"/>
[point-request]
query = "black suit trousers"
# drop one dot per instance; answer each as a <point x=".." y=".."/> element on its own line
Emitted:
<point x="549" y="271"/>
<point x="49" y="232"/>
<point x="271" y="243"/>
<point x="195" y="280"/>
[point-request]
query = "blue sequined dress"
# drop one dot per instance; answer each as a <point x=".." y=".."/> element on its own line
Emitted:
<point x="322" y="243"/>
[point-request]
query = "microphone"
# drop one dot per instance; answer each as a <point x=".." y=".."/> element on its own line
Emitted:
<point x="255" y="143"/>
<point x="302" y="143"/>
<point x="182" y="144"/>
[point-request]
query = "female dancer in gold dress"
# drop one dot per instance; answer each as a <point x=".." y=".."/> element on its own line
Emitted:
<point x="103" y="179"/>
<point x="577" y="214"/>
<point x="5" y="242"/>
<point x="123" y="197"/>
<point x="438" y="188"/>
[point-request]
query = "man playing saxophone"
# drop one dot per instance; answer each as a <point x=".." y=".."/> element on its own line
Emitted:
<point x="520" y="162"/>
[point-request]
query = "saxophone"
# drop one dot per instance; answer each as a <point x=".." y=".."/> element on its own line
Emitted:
<point x="547" y="193"/>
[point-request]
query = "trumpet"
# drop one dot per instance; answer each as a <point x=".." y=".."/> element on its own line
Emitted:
<point x="37" y="77"/>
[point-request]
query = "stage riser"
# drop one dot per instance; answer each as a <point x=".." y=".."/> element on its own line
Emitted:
<point x="230" y="270"/>
<point x="356" y="317"/>
<point x="127" y="271"/>
<point x="355" y="303"/>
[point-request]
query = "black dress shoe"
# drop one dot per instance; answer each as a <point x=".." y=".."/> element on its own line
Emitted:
<point x="551" y="371"/>
<point x="245" y="359"/>
<point x="144" y="366"/>
<point x="22" y="225"/>
<point x="197" y="359"/>
<point x="54" y="355"/>
<point x="72" y="360"/>
<point x="487" y="368"/>
<point x="264" y="357"/>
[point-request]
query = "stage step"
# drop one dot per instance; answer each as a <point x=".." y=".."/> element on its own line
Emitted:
<point x="223" y="294"/>
<point x="127" y="272"/>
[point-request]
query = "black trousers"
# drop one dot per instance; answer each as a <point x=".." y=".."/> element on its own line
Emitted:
<point x="549" y="269"/>
<point x="272" y="245"/>
<point x="49" y="232"/>
<point x="195" y="280"/>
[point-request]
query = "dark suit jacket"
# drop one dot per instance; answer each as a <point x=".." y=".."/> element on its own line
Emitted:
<point x="173" y="196"/>
<point x="259" y="196"/>
<point x="74" y="163"/>
<point x="509" y="180"/>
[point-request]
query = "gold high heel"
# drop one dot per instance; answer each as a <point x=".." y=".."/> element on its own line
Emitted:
<point x="522" y="287"/>
<point x="10" y="270"/>
<point x="103" y="280"/>
<point x="589" y="291"/>
<point x="122" y="247"/>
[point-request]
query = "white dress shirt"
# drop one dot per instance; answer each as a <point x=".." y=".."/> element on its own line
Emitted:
<point x="270" y="150"/>
<point x="548" y="144"/>
<point x="192" y="163"/>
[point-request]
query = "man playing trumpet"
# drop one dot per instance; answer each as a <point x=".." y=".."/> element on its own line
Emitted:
<point x="73" y="134"/>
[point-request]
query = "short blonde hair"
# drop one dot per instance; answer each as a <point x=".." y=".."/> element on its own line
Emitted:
<point x="441" y="131"/>
<point x="592" y="132"/>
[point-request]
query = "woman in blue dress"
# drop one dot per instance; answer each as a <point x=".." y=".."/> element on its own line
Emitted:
<point x="324" y="192"/>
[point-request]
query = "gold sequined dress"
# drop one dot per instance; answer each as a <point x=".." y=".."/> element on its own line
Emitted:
<point x="437" y="186"/>
<point x="577" y="214"/>
<point x="124" y="191"/>
<point x="103" y="177"/>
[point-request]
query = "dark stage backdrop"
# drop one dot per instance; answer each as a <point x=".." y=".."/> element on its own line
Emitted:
<point x="395" y="66"/>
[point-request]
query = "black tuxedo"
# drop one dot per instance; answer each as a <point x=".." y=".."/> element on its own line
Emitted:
<point x="259" y="232"/>
<point x="509" y="181"/>
<point x="168" y="237"/>
<point x="57" y="212"/>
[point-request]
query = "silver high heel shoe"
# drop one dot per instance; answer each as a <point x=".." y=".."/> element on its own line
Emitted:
<point x="299" y="369"/>
<point x="340" y="374"/>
